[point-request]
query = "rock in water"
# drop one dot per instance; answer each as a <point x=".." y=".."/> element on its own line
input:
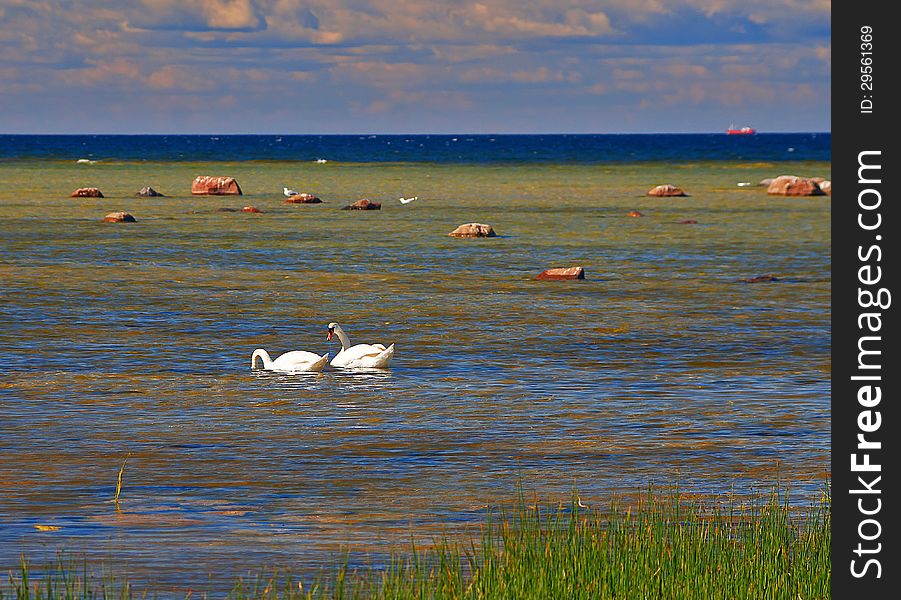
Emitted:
<point x="666" y="190"/>
<point x="118" y="217"/>
<point x="792" y="185"/>
<point x="562" y="274"/>
<point x="88" y="192"/>
<point x="302" y="199"/>
<point x="473" y="230"/>
<point x="215" y="186"/>
<point x="759" y="279"/>
<point x="363" y="204"/>
<point x="149" y="192"/>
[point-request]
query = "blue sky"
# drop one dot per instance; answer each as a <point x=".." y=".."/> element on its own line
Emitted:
<point x="403" y="66"/>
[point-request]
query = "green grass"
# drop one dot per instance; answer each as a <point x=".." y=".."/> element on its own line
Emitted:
<point x="662" y="546"/>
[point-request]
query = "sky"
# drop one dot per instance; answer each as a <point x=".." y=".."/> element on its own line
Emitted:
<point x="405" y="66"/>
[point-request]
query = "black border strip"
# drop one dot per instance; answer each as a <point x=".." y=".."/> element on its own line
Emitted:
<point x="864" y="275"/>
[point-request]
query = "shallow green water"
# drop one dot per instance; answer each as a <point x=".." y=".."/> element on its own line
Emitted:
<point x="136" y="338"/>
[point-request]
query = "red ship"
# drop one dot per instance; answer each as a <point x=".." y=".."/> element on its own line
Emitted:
<point x="741" y="131"/>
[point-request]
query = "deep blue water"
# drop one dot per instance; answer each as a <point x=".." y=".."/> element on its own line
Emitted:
<point x="451" y="149"/>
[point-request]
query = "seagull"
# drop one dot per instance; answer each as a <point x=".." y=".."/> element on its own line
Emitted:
<point x="407" y="200"/>
<point x="289" y="193"/>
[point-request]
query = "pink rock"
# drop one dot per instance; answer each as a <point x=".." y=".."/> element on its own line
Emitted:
<point x="666" y="190"/>
<point x="634" y="213"/>
<point x="562" y="273"/>
<point x="251" y="209"/>
<point x="215" y="186"/>
<point x="118" y="217"/>
<point x="303" y="199"/>
<point x="826" y="187"/>
<point x="473" y="230"/>
<point x="363" y="204"/>
<point x="688" y="222"/>
<point x="88" y="192"/>
<point x="792" y="185"/>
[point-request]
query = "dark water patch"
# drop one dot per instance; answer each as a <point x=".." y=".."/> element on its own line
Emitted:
<point x="112" y="150"/>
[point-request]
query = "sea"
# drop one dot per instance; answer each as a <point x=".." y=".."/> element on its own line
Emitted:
<point x="694" y="355"/>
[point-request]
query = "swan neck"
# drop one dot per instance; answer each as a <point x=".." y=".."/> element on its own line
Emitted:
<point x="259" y="352"/>
<point x="345" y="341"/>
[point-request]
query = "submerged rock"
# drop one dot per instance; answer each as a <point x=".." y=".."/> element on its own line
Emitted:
<point x="561" y="274"/>
<point x="634" y="213"/>
<point x="473" y="230"/>
<point x="363" y="204"/>
<point x="119" y="217"/>
<point x="247" y="209"/>
<point x="759" y="279"/>
<point x="666" y="190"/>
<point x="149" y="192"/>
<point x="215" y="186"/>
<point x="87" y="192"/>
<point x="688" y="222"/>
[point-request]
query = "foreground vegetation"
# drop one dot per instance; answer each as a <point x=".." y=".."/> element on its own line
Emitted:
<point x="657" y="546"/>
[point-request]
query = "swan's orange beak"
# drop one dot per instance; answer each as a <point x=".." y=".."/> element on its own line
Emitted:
<point x="330" y="332"/>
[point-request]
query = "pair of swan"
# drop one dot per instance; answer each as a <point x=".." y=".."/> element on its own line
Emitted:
<point x="360" y="356"/>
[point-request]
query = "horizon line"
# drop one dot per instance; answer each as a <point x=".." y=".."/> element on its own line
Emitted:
<point x="719" y="132"/>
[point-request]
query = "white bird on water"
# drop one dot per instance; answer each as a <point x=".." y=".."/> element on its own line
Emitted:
<point x="289" y="193"/>
<point x="407" y="200"/>
<point x="359" y="356"/>
<point x="289" y="362"/>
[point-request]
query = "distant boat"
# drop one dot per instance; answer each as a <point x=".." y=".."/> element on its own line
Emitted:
<point x="741" y="130"/>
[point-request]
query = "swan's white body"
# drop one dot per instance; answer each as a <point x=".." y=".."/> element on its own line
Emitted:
<point x="289" y="362"/>
<point x="407" y="200"/>
<point x="288" y="193"/>
<point x="360" y="356"/>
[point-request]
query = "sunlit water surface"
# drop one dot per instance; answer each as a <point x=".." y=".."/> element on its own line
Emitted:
<point x="135" y="340"/>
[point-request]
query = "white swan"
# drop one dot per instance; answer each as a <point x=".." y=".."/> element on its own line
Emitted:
<point x="361" y="356"/>
<point x="288" y="193"/>
<point x="407" y="200"/>
<point x="289" y="362"/>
